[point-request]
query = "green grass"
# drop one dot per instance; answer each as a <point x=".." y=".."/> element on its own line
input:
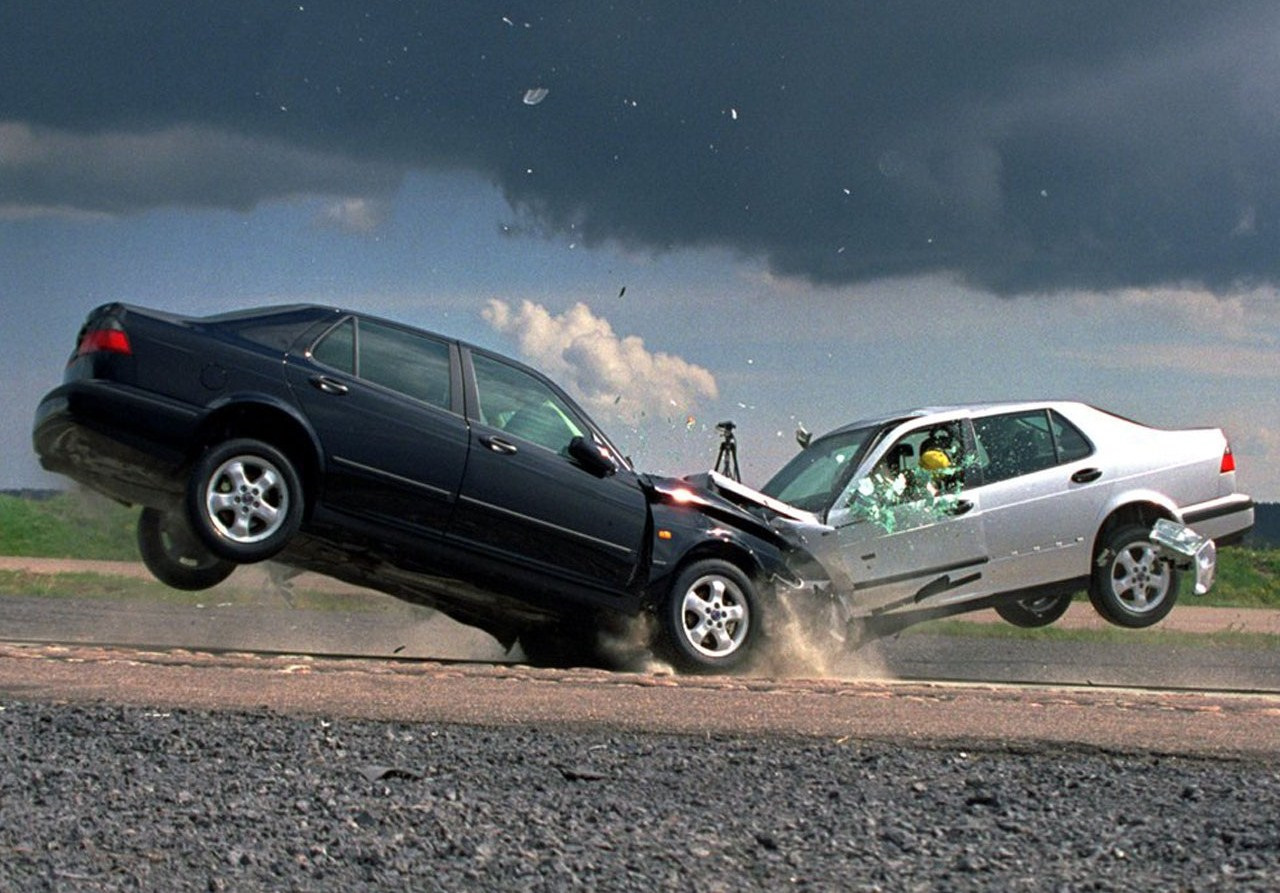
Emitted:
<point x="1246" y="578"/>
<point x="69" y="525"/>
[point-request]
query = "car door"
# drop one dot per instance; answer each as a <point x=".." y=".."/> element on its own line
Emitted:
<point x="907" y="530"/>
<point x="525" y="503"/>
<point x="384" y="403"/>
<point x="1042" y="492"/>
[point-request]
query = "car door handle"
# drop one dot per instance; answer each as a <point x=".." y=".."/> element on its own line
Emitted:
<point x="959" y="507"/>
<point x="328" y="385"/>
<point x="498" y="445"/>
<point x="1085" y="475"/>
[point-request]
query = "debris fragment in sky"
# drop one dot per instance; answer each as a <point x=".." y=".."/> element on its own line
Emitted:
<point x="689" y="423"/>
<point x="535" y="95"/>
<point x="622" y="291"/>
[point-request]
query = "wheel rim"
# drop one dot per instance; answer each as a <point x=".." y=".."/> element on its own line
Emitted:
<point x="714" y="616"/>
<point x="1140" y="580"/>
<point x="246" y="499"/>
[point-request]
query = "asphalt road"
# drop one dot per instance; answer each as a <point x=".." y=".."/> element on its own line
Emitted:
<point x="387" y="628"/>
<point x="180" y="764"/>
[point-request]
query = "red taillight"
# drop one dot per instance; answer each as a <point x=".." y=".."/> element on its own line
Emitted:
<point x="1228" y="461"/>
<point x="108" y="340"/>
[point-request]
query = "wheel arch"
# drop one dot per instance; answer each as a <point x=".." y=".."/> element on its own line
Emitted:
<point x="1144" y="509"/>
<point x="270" y="421"/>
<point x="739" y="554"/>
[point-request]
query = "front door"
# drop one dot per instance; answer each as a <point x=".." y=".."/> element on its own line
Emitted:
<point x="906" y="531"/>
<point x="525" y="502"/>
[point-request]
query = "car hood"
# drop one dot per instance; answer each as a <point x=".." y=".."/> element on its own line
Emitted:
<point x="734" y="503"/>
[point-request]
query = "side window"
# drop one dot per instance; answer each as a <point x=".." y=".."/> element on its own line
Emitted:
<point x="523" y="406"/>
<point x="407" y="362"/>
<point x="925" y="463"/>
<point x="915" y="483"/>
<point x="1014" y="444"/>
<point x="338" y="347"/>
<point x="1072" y="445"/>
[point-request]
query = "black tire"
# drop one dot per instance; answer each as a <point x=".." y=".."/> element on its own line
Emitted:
<point x="1030" y="613"/>
<point x="1131" y="585"/>
<point x="175" y="556"/>
<point x="244" y="500"/>
<point x="561" y="647"/>
<point x="711" y="618"/>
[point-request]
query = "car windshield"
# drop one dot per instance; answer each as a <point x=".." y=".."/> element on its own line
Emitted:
<point x="812" y="480"/>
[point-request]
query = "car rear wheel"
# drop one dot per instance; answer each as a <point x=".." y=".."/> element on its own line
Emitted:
<point x="1132" y="585"/>
<point x="244" y="499"/>
<point x="1030" y="613"/>
<point x="711" y="619"/>
<point x="175" y="556"/>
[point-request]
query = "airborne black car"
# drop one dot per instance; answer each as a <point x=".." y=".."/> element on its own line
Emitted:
<point x="404" y="461"/>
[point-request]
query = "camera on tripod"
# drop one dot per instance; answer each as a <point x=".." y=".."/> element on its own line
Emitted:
<point x="727" y="458"/>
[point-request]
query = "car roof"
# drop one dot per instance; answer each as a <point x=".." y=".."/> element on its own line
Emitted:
<point x="957" y="410"/>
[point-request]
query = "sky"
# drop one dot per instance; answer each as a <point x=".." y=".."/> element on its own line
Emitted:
<point x="776" y="214"/>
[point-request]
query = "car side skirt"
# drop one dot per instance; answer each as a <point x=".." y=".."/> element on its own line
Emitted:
<point x="886" y="624"/>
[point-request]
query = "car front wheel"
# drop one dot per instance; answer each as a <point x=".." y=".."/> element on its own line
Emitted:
<point x="1132" y="585"/>
<point x="244" y="500"/>
<point x="711" y="619"/>
<point x="173" y="554"/>
<point x="1030" y="613"/>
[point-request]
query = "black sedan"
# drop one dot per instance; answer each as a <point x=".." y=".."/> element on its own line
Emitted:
<point x="408" y="462"/>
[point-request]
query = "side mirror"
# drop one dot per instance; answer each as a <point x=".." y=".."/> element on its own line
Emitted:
<point x="803" y="437"/>
<point x="593" y="457"/>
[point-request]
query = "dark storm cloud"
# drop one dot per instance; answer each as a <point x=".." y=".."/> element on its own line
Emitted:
<point x="1021" y="145"/>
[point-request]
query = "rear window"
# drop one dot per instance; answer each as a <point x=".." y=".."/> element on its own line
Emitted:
<point x="1017" y="443"/>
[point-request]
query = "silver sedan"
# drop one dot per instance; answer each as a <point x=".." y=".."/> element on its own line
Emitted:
<point x="938" y="511"/>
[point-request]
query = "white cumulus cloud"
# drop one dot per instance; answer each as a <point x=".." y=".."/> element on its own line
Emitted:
<point x="606" y="371"/>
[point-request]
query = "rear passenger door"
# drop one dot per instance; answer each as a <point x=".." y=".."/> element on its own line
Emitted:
<point x="1041" y="492"/>
<point x="386" y="406"/>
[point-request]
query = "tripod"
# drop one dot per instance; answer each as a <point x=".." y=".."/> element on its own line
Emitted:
<point x="727" y="458"/>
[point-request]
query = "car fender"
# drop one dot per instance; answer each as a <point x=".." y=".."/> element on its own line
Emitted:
<point x="683" y="533"/>
<point x="1124" y="500"/>
<point x="228" y="410"/>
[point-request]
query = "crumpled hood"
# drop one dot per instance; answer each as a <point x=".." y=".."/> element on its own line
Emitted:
<point x="734" y="503"/>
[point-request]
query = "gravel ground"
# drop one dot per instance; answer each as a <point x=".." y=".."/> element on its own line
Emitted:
<point x="112" y="798"/>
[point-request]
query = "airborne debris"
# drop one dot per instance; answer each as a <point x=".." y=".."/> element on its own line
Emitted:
<point x="535" y="95"/>
<point x="378" y="773"/>
<point x="572" y="774"/>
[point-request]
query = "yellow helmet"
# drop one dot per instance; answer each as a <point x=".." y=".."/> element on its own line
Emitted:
<point x="934" y="460"/>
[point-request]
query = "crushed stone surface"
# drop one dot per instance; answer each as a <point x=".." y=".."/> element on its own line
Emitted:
<point x="98" y="797"/>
